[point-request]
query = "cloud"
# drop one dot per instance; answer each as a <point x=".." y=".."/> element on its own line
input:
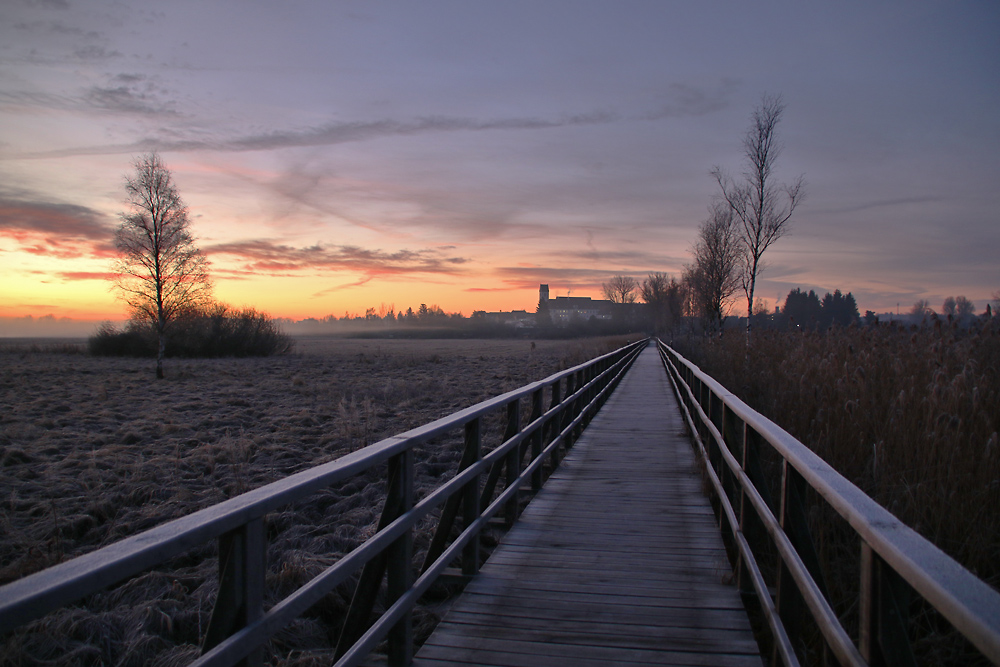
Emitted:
<point x="56" y="28"/>
<point x="626" y="258"/>
<point x="23" y="98"/>
<point x="130" y="94"/>
<point x="883" y="203"/>
<point x="47" y="4"/>
<point x="686" y="100"/>
<point x="264" y="256"/>
<point x="95" y="52"/>
<point x="83" y="275"/>
<point x="338" y="133"/>
<point x="563" y="278"/>
<point x="59" y="230"/>
<point x="120" y="94"/>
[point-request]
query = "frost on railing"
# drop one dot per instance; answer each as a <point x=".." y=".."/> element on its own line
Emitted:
<point x="509" y="444"/>
<point x="829" y="572"/>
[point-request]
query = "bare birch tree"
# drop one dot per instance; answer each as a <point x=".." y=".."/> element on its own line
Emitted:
<point x="762" y="207"/>
<point x="715" y="277"/>
<point x="160" y="273"/>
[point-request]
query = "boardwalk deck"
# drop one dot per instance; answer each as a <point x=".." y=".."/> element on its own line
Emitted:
<point x="618" y="560"/>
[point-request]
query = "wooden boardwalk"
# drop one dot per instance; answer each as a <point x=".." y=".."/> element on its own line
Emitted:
<point x="617" y="561"/>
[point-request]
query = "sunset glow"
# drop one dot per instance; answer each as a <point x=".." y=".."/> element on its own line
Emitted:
<point x="343" y="156"/>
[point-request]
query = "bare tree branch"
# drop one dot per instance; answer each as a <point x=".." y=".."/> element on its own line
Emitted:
<point x="621" y="289"/>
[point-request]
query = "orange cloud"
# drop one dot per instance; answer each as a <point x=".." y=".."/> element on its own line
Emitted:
<point x="264" y="256"/>
<point x="86" y="275"/>
<point x="63" y="231"/>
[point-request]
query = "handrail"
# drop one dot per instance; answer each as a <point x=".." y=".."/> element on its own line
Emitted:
<point x="576" y="395"/>
<point x="889" y="549"/>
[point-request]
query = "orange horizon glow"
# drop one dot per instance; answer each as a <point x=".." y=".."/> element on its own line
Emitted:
<point x="98" y="304"/>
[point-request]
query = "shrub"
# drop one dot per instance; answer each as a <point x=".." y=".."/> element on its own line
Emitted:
<point x="217" y="331"/>
<point x="135" y="340"/>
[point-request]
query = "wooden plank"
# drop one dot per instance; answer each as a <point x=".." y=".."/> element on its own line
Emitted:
<point x="478" y="651"/>
<point x="618" y="559"/>
<point x="651" y="603"/>
<point x="621" y="635"/>
<point x="596" y="613"/>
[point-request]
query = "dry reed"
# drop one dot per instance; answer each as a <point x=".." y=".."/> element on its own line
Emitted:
<point x="909" y="415"/>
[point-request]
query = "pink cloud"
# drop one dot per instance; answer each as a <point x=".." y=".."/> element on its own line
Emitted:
<point x="264" y="256"/>
<point x="58" y="230"/>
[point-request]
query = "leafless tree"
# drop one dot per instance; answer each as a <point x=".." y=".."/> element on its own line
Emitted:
<point x="762" y="208"/>
<point x="621" y="289"/>
<point x="160" y="273"/>
<point x="664" y="296"/>
<point x="958" y="307"/>
<point x="964" y="308"/>
<point x="921" y="309"/>
<point x="714" y="277"/>
<point x="654" y="288"/>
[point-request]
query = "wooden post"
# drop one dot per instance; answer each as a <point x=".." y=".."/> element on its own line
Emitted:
<point x="743" y="580"/>
<point x="569" y="412"/>
<point x="470" y="498"/>
<point x="357" y="622"/>
<point x="788" y="600"/>
<point x="513" y="459"/>
<point x="554" y="423"/>
<point x="721" y="416"/>
<point x="537" y="406"/>
<point x="443" y="532"/>
<point x="586" y="376"/>
<point x="796" y="524"/>
<point x="580" y="404"/>
<point x="399" y="565"/>
<point x="868" y="607"/>
<point x="242" y="563"/>
<point x="884" y="610"/>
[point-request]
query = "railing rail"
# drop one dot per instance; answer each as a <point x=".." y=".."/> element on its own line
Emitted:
<point x="729" y="436"/>
<point x="239" y="624"/>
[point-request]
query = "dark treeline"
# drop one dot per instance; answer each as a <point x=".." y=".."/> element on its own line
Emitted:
<point x="803" y="309"/>
<point x="433" y="322"/>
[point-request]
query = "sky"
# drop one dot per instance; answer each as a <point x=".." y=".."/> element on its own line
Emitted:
<point x="336" y="156"/>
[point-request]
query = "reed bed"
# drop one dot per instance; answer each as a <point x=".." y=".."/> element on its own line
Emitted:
<point x="909" y="415"/>
<point x="93" y="450"/>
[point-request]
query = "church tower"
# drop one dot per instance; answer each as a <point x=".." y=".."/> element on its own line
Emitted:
<point x="543" y="293"/>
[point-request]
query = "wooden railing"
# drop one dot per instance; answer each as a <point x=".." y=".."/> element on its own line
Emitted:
<point x="761" y="478"/>
<point x="240" y="625"/>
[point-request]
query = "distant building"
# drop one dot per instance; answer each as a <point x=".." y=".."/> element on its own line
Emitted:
<point x="519" y="319"/>
<point x="565" y="309"/>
